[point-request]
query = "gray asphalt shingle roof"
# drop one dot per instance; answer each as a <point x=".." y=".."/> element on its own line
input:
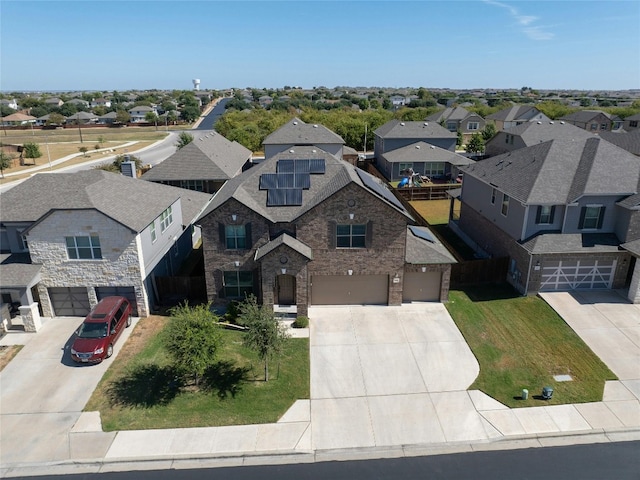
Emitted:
<point x="449" y="113"/>
<point x="16" y="270"/>
<point x="338" y="174"/>
<point x="560" y="170"/>
<point x="210" y="156"/>
<point x="423" y="252"/>
<point x="284" y="239"/>
<point x="572" y="243"/>
<point x="585" y="115"/>
<point x="399" y="129"/>
<point x="423" y="152"/>
<point x="296" y="132"/>
<point x="129" y="201"/>
<point x="511" y="114"/>
<point x="633" y="247"/>
<point x="630" y="141"/>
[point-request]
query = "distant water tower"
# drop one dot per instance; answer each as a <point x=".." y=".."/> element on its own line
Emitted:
<point x="196" y="83"/>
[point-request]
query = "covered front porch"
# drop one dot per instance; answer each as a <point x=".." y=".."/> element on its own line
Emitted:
<point x="19" y="292"/>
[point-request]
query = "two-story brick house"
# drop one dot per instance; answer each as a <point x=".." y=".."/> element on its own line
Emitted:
<point x="82" y="236"/>
<point x="306" y="228"/>
<point x="594" y="121"/>
<point x="559" y="209"/>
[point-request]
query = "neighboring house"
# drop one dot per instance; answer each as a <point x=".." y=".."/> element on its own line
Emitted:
<point x="100" y="102"/>
<point x="296" y="132"/>
<point x="517" y="115"/>
<point x="265" y="101"/>
<point x="108" y="118"/>
<point x="531" y="133"/>
<point x="629" y="141"/>
<point x="79" y="102"/>
<point x="82" y="118"/>
<point x="54" y="101"/>
<point x="204" y="165"/>
<point x="559" y="210"/>
<point x="11" y="103"/>
<point x="18" y="118"/>
<point x="86" y="235"/>
<point x="306" y="228"/>
<point x="138" y="114"/>
<point x="398" y="100"/>
<point x="632" y="122"/>
<point x="396" y="134"/>
<point x="428" y="160"/>
<point x="594" y="121"/>
<point x="458" y="119"/>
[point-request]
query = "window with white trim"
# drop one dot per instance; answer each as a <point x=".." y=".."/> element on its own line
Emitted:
<point x="591" y="217"/>
<point x="405" y="166"/>
<point x="152" y="231"/>
<point x="83" y="248"/>
<point x="545" y="215"/>
<point x="493" y="196"/>
<point x="433" y="169"/>
<point x="166" y="219"/>
<point x="505" y="204"/>
<point x="473" y="126"/>
<point x="351" y="236"/>
<point x="452" y="126"/>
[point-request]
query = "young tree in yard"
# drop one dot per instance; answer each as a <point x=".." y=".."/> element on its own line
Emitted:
<point x="459" y="139"/>
<point x="83" y="150"/>
<point x="55" y="119"/>
<point x="122" y="116"/>
<point x="116" y="166"/>
<point x="184" y="139"/>
<point x="192" y="338"/>
<point x="190" y="113"/>
<point x="265" y="335"/>
<point x="31" y="150"/>
<point x="6" y="160"/>
<point x="488" y="132"/>
<point x="476" y="144"/>
<point x="151" y="117"/>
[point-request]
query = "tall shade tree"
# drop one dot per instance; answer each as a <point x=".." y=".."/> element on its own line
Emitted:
<point x="184" y="139"/>
<point x="31" y="150"/>
<point x="265" y="335"/>
<point x="192" y="338"/>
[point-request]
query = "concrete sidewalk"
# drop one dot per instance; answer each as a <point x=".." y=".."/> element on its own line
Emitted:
<point x="378" y="389"/>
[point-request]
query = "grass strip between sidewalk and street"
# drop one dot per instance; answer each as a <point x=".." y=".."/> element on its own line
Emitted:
<point x="137" y="391"/>
<point x="521" y="342"/>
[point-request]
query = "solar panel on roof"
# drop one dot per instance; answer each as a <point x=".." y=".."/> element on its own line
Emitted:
<point x="275" y="198"/>
<point x="293" y="196"/>
<point x="282" y="197"/>
<point x="316" y="165"/>
<point x="373" y="184"/>
<point x="268" y="180"/>
<point x="285" y="166"/>
<point x="302" y="180"/>
<point x="301" y="165"/>
<point x="285" y="180"/>
<point x="422" y="233"/>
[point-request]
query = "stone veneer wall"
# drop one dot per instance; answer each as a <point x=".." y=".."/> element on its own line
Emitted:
<point x="120" y="264"/>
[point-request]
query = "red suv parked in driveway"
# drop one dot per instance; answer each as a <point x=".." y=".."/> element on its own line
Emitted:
<point x="101" y="329"/>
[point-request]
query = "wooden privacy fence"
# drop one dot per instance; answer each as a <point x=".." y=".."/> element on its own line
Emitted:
<point x="471" y="272"/>
<point x="181" y="288"/>
<point x="427" y="192"/>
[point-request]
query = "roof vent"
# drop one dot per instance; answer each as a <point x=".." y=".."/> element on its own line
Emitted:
<point x="562" y="122"/>
<point x="551" y="122"/>
<point x="426" y="124"/>
<point x="433" y="146"/>
<point x="315" y="126"/>
<point x="402" y="124"/>
<point x="418" y="147"/>
<point x="539" y="122"/>
<point x="291" y="151"/>
<point x="295" y="123"/>
<point x="314" y="150"/>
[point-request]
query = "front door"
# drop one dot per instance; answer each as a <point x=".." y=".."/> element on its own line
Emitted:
<point x="286" y="285"/>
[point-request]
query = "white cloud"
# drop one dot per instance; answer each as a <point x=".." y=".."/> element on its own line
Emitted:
<point x="534" y="32"/>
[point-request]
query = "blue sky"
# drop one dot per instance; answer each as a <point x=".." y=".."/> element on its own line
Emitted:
<point x="121" y="45"/>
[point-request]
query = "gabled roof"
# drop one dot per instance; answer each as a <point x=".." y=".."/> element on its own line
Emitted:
<point x="245" y="188"/>
<point x="17" y="271"/>
<point x="284" y="239"/>
<point x="560" y="171"/>
<point x="296" y="132"/>
<point x="513" y="113"/>
<point x="130" y="202"/>
<point x="423" y="248"/>
<point x="536" y="132"/>
<point x="449" y="113"/>
<point x="633" y="117"/>
<point x="82" y="116"/>
<point x="423" y="152"/>
<point x="399" y="129"/>
<point x="210" y="156"/>
<point x="585" y="115"/>
<point x="141" y="108"/>
<point x="629" y="141"/>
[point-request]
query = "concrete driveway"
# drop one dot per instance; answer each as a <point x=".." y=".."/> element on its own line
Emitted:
<point x="385" y="375"/>
<point x="608" y="324"/>
<point x="42" y="394"/>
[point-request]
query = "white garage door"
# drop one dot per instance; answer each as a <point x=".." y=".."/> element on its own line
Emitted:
<point x="577" y="274"/>
<point x="350" y="290"/>
<point x="69" y="301"/>
<point x="421" y="287"/>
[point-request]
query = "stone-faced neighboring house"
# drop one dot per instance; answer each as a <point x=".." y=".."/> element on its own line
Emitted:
<point x="92" y="234"/>
<point x="516" y="115"/>
<point x="203" y="165"/>
<point x="297" y="132"/>
<point x="593" y="120"/>
<point x="632" y="122"/>
<point x="306" y="228"/>
<point x="428" y="160"/>
<point x="531" y="133"/>
<point x="396" y="134"/>
<point x="560" y="210"/>
<point x="458" y="119"/>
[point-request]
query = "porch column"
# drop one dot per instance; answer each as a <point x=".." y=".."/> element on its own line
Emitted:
<point x="634" y="288"/>
<point x="30" y="317"/>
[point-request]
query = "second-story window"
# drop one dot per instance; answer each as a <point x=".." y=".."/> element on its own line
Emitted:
<point x="544" y="215"/>
<point x="236" y="237"/>
<point x="351" y="236"/>
<point x="493" y="196"/>
<point x="473" y="126"/>
<point x="591" y="217"/>
<point x="505" y="204"/>
<point x="83" y="248"/>
<point x="152" y="230"/>
<point x="166" y="219"/>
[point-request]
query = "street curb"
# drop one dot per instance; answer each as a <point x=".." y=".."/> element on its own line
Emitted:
<point x="187" y="461"/>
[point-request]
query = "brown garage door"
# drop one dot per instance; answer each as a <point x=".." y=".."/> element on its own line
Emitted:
<point x="127" y="292"/>
<point x="69" y="301"/>
<point x="350" y="290"/>
<point x="421" y="287"/>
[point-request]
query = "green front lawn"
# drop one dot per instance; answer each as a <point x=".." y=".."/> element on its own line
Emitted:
<point x="139" y="391"/>
<point x="520" y="342"/>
